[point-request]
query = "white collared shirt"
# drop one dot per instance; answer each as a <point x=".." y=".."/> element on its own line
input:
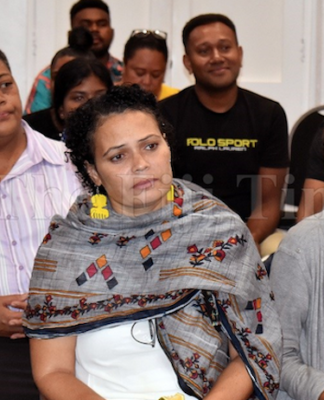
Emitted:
<point x="41" y="183"/>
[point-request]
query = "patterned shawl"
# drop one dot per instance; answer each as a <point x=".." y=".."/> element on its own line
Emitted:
<point x="192" y="265"/>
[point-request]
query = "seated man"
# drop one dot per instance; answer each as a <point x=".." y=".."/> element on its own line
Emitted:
<point x="36" y="182"/>
<point x="231" y="141"/>
<point x="297" y="278"/>
<point x="312" y="198"/>
<point x="95" y="16"/>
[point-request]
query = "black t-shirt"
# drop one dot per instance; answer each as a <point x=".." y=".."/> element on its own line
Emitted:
<point x="223" y="152"/>
<point x="42" y="122"/>
<point x="315" y="168"/>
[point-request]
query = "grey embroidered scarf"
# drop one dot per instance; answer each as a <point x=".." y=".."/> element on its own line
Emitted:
<point x="192" y="265"/>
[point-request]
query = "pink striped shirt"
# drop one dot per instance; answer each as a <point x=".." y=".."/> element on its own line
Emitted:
<point x="41" y="183"/>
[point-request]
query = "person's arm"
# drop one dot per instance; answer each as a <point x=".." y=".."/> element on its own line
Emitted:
<point x="11" y="321"/>
<point x="266" y="214"/>
<point x="53" y="365"/>
<point x="293" y="285"/>
<point x="234" y="383"/>
<point x="312" y="200"/>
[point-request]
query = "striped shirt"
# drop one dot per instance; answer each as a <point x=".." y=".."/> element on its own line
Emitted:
<point x="41" y="183"/>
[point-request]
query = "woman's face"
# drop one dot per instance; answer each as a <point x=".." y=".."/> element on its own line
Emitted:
<point x="132" y="162"/>
<point x="147" y="69"/>
<point x="90" y="87"/>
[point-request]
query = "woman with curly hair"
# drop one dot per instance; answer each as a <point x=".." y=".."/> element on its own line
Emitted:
<point x="152" y="286"/>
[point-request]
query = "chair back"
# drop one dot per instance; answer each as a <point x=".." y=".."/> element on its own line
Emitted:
<point x="301" y="137"/>
<point x="300" y="140"/>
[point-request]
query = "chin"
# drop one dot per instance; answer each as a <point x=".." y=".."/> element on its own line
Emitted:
<point x="99" y="51"/>
<point x="149" y="203"/>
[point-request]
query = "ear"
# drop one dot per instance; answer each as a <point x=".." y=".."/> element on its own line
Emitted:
<point x="92" y="172"/>
<point x="61" y="113"/>
<point x="187" y="63"/>
<point x="240" y="48"/>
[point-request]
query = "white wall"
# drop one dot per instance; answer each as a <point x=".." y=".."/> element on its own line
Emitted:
<point x="282" y="40"/>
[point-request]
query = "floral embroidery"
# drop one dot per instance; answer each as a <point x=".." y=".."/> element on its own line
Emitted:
<point x="48" y="236"/>
<point x="193" y="370"/>
<point x="261" y="359"/>
<point x="49" y="309"/>
<point x="217" y="251"/>
<point x="261" y="272"/>
<point x="54" y="226"/>
<point x="96" y="238"/>
<point x="123" y="241"/>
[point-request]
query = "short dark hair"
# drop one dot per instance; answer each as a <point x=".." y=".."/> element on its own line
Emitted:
<point x="79" y="44"/>
<point x="148" y="41"/>
<point x="205" y="19"/>
<point x="82" y="4"/>
<point x="4" y="59"/>
<point x="72" y="74"/>
<point x="83" y="123"/>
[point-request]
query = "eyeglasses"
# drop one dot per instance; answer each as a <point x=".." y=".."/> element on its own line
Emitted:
<point x="145" y="32"/>
<point x="152" y="328"/>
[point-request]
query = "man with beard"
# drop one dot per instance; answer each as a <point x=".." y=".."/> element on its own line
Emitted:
<point x="95" y="16"/>
<point x="229" y="140"/>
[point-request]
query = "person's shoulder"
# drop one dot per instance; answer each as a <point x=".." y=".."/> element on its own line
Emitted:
<point x="167" y="91"/>
<point x="182" y="96"/>
<point x="51" y="150"/>
<point x="308" y="233"/>
<point x="44" y="73"/>
<point x="36" y="115"/>
<point x="199" y="194"/>
<point x="114" y="60"/>
<point x="258" y="99"/>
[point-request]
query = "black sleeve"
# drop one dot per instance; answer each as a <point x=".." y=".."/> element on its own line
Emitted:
<point x="274" y="152"/>
<point x="315" y="165"/>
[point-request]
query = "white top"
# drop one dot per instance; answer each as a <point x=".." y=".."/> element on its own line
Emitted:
<point x="116" y="366"/>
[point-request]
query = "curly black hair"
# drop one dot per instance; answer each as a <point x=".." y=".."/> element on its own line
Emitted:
<point x="84" y="122"/>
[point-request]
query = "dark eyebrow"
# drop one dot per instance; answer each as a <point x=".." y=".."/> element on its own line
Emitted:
<point x="77" y="91"/>
<point x="123" y="145"/>
<point x="94" y="20"/>
<point x="5" y="74"/>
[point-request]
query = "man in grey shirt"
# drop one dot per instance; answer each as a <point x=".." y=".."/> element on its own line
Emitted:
<point x="297" y="277"/>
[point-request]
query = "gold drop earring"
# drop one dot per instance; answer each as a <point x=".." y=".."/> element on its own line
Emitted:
<point x="99" y="201"/>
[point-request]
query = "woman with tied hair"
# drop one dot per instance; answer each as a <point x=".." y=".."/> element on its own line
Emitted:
<point x="145" y="62"/>
<point x="79" y="45"/>
<point x="77" y="76"/>
<point x="152" y="286"/>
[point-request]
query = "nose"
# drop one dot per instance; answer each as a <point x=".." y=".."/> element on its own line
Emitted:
<point x="146" y="82"/>
<point x="93" y="27"/>
<point x="2" y="97"/>
<point x="216" y="55"/>
<point x="139" y="163"/>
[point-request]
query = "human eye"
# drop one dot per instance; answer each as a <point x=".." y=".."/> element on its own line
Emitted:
<point x="157" y="75"/>
<point x="86" y="24"/>
<point x="151" y="146"/>
<point x="78" y="98"/>
<point x="102" y="23"/>
<point x="225" y="47"/>
<point x="140" y="72"/>
<point x="5" y="85"/>
<point x="203" y="51"/>
<point x="116" y="158"/>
